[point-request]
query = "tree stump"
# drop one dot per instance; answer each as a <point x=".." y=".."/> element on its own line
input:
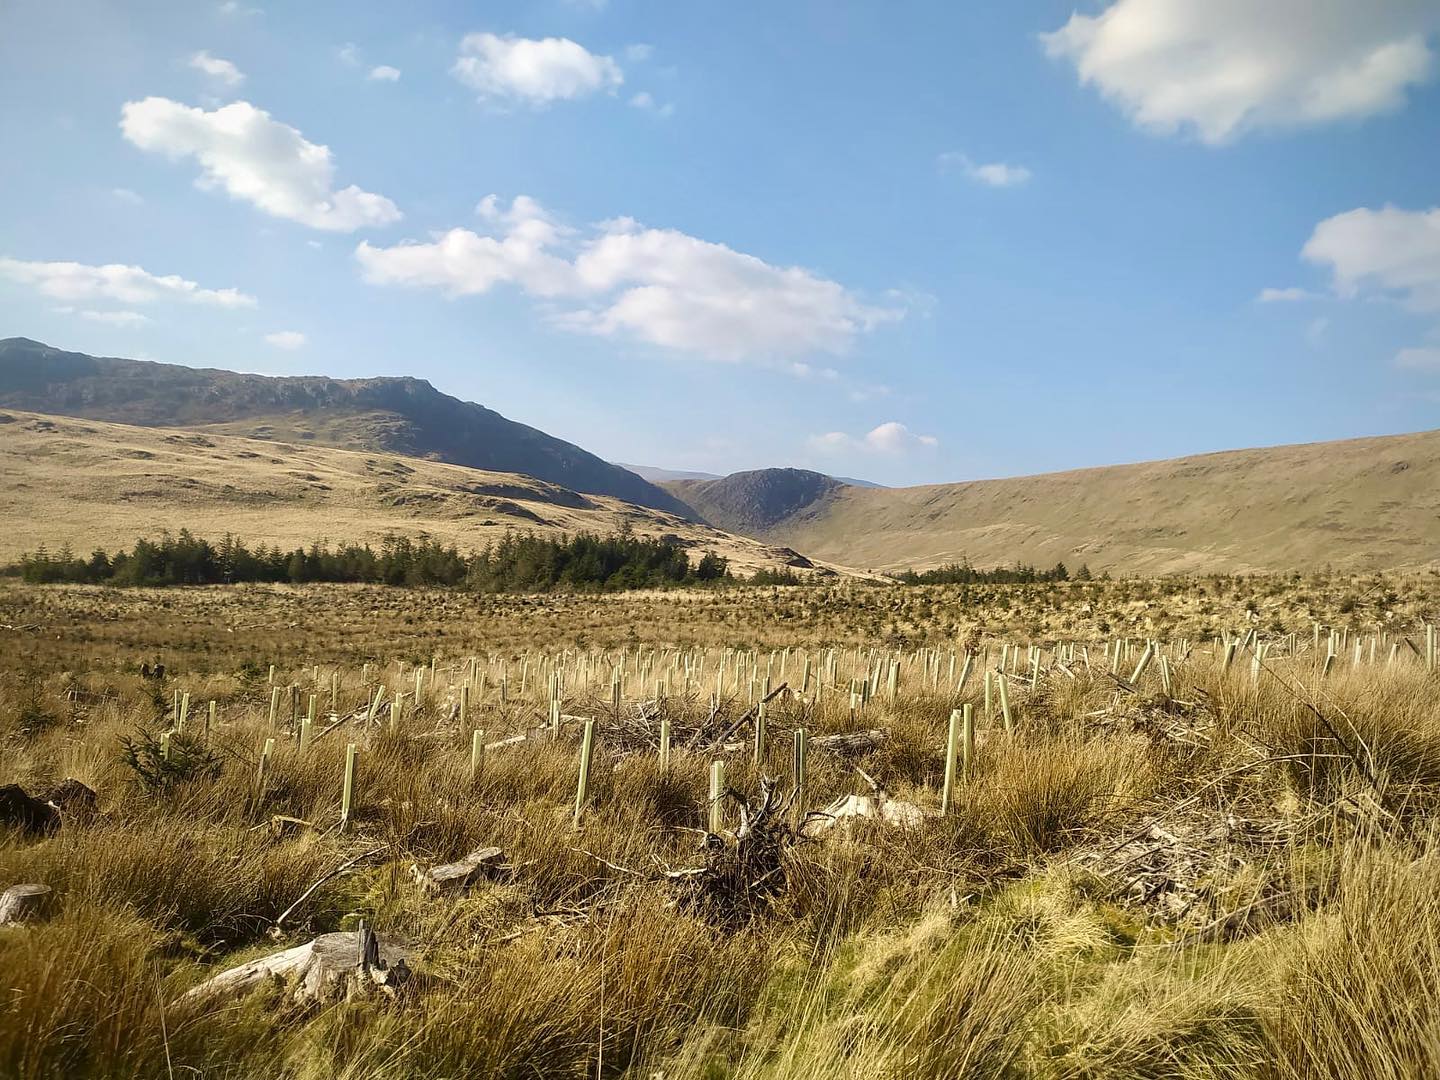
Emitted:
<point x="72" y="798"/>
<point x="851" y="743"/>
<point x="458" y="875"/>
<point x="21" y="810"/>
<point x="22" y="903"/>
<point x="846" y="809"/>
<point x="331" y="966"/>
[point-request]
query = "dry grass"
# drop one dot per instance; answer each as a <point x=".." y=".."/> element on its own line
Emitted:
<point x="1360" y="504"/>
<point x="997" y="941"/>
<point x="95" y="484"/>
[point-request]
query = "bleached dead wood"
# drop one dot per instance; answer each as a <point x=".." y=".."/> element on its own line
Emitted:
<point x="329" y="967"/>
<point x="848" y="808"/>
<point x="24" y="903"/>
<point x="853" y="742"/>
<point x="457" y="875"/>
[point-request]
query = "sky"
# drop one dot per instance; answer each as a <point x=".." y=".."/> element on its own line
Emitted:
<point x="913" y="242"/>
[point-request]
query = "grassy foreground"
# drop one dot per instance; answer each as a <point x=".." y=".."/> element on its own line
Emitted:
<point x="1237" y="875"/>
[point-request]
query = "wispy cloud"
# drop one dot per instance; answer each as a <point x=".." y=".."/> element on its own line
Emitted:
<point x="115" y="281"/>
<point x="222" y="71"/>
<point x="891" y="438"/>
<point x="1285" y="296"/>
<point x="286" y="339"/>
<point x="996" y="174"/>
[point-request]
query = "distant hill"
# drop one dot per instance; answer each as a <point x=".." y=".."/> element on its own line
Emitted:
<point x="395" y="415"/>
<point x="669" y="476"/>
<point x="89" y="483"/>
<point x="661" y="476"/>
<point x="1360" y="504"/>
<point x="759" y="502"/>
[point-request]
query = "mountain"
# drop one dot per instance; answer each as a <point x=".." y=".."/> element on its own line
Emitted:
<point x="394" y="415"/>
<point x="90" y="483"/>
<point x="1359" y="504"/>
<point x="759" y="502"/>
<point x="661" y="476"/>
<point x="665" y="477"/>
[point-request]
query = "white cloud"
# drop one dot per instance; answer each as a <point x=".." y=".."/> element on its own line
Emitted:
<point x="127" y="319"/>
<point x="349" y="54"/>
<point x="890" y="438"/>
<point x="384" y="73"/>
<point x="114" y="281"/>
<point x="998" y="174"/>
<point x="658" y="286"/>
<point x="993" y="174"/>
<point x="464" y="263"/>
<point x="1418" y="359"/>
<point x="256" y="159"/>
<point x="125" y="195"/>
<point x="285" y="339"/>
<point x="535" y="71"/>
<point x="1283" y="296"/>
<point x="639" y="52"/>
<point x="222" y="71"/>
<point x="1391" y="252"/>
<point x="234" y="7"/>
<point x="680" y="292"/>
<point x="1225" y="67"/>
<point x="646" y="101"/>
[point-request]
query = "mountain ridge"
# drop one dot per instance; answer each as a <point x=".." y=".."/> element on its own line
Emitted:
<point x="391" y="414"/>
<point x="92" y="483"/>
<point x="1361" y="504"/>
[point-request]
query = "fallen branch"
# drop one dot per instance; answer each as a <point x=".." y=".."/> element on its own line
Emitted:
<point x="747" y="715"/>
<point x="341" y="869"/>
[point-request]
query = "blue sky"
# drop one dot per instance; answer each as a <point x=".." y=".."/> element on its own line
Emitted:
<point x="913" y="242"/>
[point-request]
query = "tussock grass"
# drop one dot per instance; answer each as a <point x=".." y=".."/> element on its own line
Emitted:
<point x="988" y="943"/>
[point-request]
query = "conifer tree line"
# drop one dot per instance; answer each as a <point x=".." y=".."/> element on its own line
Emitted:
<point x="515" y="563"/>
<point x="962" y="573"/>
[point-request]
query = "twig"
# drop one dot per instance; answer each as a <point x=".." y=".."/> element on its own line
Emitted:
<point x="607" y="862"/>
<point x="342" y="868"/>
<point x="747" y="714"/>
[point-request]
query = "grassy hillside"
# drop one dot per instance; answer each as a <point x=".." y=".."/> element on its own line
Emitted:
<point x="757" y="502"/>
<point x="401" y="416"/>
<point x="89" y="483"/>
<point x="1360" y="504"/>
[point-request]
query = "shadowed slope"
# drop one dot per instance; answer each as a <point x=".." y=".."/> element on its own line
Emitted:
<point x="395" y="415"/>
<point x="88" y="483"/>
<point x="1359" y="504"/>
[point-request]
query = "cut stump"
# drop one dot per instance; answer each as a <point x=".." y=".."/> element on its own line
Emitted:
<point x="847" y="809"/>
<point x="21" y="810"/>
<point x="853" y="743"/>
<point x="24" y="903"/>
<point x="330" y="967"/>
<point x="29" y="814"/>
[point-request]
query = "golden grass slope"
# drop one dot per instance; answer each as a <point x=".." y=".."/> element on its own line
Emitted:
<point x="94" y="484"/>
<point x="1361" y="504"/>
